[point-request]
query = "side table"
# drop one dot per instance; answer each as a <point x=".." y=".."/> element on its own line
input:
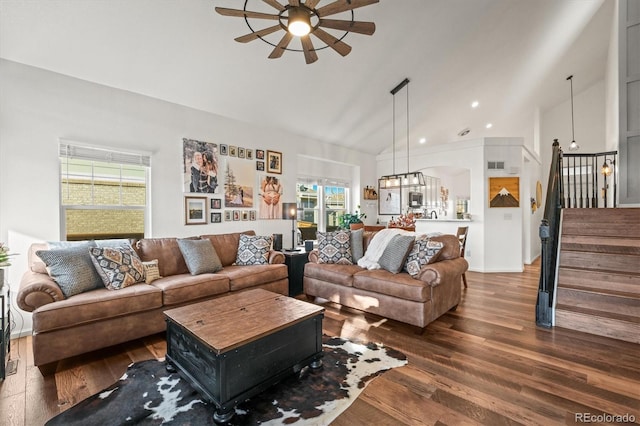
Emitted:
<point x="295" y="261"/>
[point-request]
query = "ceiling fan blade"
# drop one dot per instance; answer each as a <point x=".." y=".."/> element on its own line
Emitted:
<point x="253" y="36"/>
<point x="310" y="55"/>
<point x="294" y="2"/>
<point x="367" y="28"/>
<point x="279" y="49"/>
<point x="311" y="3"/>
<point x="275" y="4"/>
<point x="343" y="5"/>
<point x="337" y="45"/>
<point x="242" y="13"/>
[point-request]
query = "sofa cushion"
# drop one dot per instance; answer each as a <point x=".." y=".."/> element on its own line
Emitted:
<point x="72" y="268"/>
<point x="96" y="305"/>
<point x="151" y="271"/>
<point x="335" y="247"/>
<point x="226" y="245"/>
<point x="333" y="273"/>
<point x="167" y="251"/>
<point x="200" y="256"/>
<point x="177" y="289"/>
<point x="357" y="244"/>
<point x="395" y="253"/>
<point x="241" y="277"/>
<point x="253" y="250"/>
<point x="400" y="285"/>
<point x="424" y="251"/>
<point x="118" y="267"/>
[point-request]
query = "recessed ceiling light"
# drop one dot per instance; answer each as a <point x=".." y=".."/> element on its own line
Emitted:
<point x="489" y="125"/>
<point x="475" y="104"/>
<point x="423" y="140"/>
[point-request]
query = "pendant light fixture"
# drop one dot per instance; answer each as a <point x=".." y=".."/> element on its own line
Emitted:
<point x="573" y="146"/>
<point x="408" y="178"/>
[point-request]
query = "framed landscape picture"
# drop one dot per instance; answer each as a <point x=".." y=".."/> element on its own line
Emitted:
<point x="195" y="210"/>
<point x="274" y="162"/>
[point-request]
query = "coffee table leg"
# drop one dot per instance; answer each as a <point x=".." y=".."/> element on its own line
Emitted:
<point x="223" y="415"/>
<point x="169" y="367"/>
<point x="316" y="363"/>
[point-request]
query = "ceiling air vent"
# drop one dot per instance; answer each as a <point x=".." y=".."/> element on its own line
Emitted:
<point x="495" y="165"/>
<point x="464" y="132"/>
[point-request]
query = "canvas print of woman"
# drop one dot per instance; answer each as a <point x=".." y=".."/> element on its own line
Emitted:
<point x="270" y="194"/>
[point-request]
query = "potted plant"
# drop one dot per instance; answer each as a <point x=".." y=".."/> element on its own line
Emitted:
<point x="348" y="219"/>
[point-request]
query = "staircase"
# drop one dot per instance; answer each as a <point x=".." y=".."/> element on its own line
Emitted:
<point x="598" y="287"/>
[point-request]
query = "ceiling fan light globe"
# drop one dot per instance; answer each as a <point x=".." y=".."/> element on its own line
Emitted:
<point x="299" y="22"/>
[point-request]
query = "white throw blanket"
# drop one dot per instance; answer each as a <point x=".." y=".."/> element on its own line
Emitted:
<point x="377" y="245"/>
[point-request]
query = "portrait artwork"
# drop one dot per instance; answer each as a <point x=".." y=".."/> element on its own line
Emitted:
<point x="200" y="166"/>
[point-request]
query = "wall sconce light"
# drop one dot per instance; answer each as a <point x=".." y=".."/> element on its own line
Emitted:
<point x="607" y="169"/>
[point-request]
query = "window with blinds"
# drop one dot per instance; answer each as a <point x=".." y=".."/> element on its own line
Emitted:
<point x="103" y="193"/>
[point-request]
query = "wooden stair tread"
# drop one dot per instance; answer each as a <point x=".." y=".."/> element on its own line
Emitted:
<point x="599" y="314"/>
<point x="597" y="244"/>
<point x="605" y="280"/>
<point x="601" y="291"/>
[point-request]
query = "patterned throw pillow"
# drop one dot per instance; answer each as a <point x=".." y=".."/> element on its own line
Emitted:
<point x="151" y="271"/>
<point x="119" y="267"/>
<point x="335" y="247"/>
<point x="424" y="252"/>
<point x="71" y="268"/>
<point x="200" y="256"/>
<point x="253" y="250"/>
<point x="395" y="253"/>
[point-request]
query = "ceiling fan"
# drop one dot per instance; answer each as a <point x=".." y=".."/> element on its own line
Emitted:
<point x="302" y="19"/>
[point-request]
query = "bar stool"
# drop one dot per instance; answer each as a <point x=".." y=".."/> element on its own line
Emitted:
<point x="462" y="237"/>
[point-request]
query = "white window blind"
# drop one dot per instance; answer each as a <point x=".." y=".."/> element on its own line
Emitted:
<point x="73" y="151"/>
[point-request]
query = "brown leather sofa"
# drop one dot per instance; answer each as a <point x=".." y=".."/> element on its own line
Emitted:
<point x="416" y="301"/>
<point x="65" y="327"/>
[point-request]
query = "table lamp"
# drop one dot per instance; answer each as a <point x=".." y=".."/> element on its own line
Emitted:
<point x="290" y="211"/>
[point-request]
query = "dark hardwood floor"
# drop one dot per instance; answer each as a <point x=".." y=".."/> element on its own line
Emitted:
<point x="485" y="363"/>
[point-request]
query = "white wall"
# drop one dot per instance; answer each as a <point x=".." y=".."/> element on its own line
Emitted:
<point x="38" y="107"/>
<point x="589" y="117"/>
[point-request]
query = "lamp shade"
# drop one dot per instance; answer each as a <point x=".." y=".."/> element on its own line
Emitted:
<point x="289" y="211"/>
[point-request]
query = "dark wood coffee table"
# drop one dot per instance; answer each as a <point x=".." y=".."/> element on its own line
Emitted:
<point x="236" y="346"/>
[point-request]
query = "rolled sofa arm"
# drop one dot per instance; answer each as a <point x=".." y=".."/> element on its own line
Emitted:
<point x="313" y="256"/>
<point x="445" y="270"/>
<point x="276" y="257"/>
<point x="36" y="290"/>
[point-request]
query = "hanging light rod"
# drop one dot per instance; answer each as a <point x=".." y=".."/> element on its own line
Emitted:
<point x="398" y="180"/>
<point x="573" y="146"/>
<point x="399" y="86"/>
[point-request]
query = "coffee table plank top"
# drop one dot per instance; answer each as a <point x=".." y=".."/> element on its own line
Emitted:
<point x="234" y="320"/>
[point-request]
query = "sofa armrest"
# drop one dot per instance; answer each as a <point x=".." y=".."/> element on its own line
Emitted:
<point x="439" y="272"/>
<point x="276" y="257"/>
<point x="313" y="256"/>
<point x="36" y="290"/>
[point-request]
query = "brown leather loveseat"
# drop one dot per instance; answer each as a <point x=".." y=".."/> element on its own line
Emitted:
<point x="418" y="301"/>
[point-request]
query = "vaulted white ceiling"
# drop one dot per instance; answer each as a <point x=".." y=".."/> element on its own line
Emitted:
<point x="511" y="55"/>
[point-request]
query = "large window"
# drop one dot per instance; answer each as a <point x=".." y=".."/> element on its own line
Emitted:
<point x="103" y="193"/>
<point x="320" y="205"/>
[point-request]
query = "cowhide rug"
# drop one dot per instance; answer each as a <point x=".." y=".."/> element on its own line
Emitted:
<point x="149" y="395"/>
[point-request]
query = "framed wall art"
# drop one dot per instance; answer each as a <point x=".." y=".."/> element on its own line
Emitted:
<point x="241" y="152"/>
<point x="389" y="200"/>
<point x="216" y="217"/>
<point x="224" y="149"/>
<point x="200" y="166"/>
<point x="233" y="151"/>
<point x="239" y="183"/>
<point x="195" y="210"/>
<point x="260" y="166"/>
<point x="228" y="216"/>
<point x="249" y="154"/>
<point x="504" y="192"/>
<point x="259" y="154"/>
<point x="216" y="203"/>
<point x="274" y="162"/>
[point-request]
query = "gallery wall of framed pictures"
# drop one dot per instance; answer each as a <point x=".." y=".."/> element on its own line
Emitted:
<point x="226" y="183"/>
